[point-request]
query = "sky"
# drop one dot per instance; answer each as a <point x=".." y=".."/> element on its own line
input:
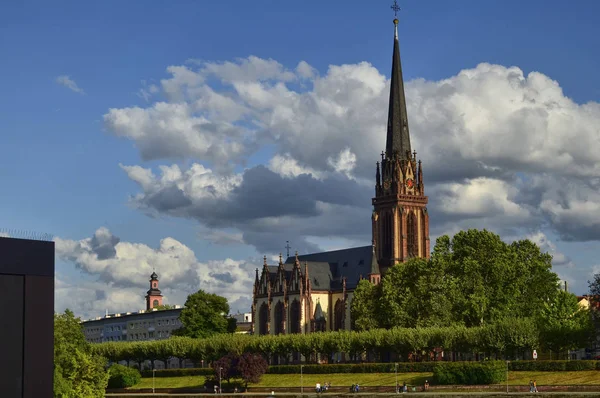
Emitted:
<point x="195" y="137"/>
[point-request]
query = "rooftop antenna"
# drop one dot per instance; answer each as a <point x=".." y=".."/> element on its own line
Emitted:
<point x="287" y="247"/>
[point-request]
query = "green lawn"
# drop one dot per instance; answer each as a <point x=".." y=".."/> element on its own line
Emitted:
<point x="590" y="377"/>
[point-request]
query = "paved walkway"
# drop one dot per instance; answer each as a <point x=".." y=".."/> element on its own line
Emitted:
<point x="555" y="394"/>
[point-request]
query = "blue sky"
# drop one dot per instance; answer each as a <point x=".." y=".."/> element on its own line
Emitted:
<point x="59" y="158"/>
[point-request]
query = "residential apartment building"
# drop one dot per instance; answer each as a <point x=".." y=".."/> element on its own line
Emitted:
<point x="153" y="323"/>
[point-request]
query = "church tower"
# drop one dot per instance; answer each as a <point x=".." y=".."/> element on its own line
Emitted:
<point x="153" y="296"/>
<point x="400" y="220"/>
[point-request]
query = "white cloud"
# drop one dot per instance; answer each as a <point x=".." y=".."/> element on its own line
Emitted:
<point x="122" y="278"/>
<point x="501" y="149"/>
<point x="559" y="259"/>
<point x="479" y="197"/>
<point x="344" y="162"/>
<point x="69" y="83"/>
<point x="287" y="166"/>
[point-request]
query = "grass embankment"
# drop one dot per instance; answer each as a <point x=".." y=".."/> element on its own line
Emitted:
<point x="588" y="377"/>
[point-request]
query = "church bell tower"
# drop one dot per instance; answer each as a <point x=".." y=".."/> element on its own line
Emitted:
<point x="400" y="220"/>
<point x="153" y="295"/>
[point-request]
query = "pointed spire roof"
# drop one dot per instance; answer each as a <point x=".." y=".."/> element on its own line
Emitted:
<point x="319" y="316"/>
<point x="398" y="137"/>
<point x="374" y="263"/>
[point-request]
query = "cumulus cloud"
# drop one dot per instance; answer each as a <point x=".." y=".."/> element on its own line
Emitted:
<point x="559" y="259"/>
<point x="501" y="149"/>
<point x="120" y="272"/>
<point x="69" y="83"/>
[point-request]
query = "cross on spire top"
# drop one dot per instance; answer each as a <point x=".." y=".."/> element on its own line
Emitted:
<point x="396" y="8"/>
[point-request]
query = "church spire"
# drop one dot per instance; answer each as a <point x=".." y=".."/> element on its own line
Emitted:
<point x="398" y="137"/>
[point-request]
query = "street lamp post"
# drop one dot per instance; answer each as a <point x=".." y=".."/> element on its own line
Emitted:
<point x="153" y="374"/>
<point x="220" y="369"/>
<point x="301" y="380"/>
<point x="396" y="371"/>
<point x="507" y="376"/>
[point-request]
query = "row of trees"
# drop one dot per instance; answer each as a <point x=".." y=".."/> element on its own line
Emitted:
<point x="505" y="338"/>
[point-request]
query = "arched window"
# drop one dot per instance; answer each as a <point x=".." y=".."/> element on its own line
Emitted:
<point x="295" y="317"/>
<point x="412" y="235"/>
<point x="338" y="315"/>
<point x="279" y="317"/>
<point x="155" y="303"/>
<point x="263" y="319"/>
<point x="387" y="235"/>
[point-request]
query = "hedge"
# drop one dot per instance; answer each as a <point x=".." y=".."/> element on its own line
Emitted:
<point x="122" y="376"/>
<point x="179" y="372"/>
<point x="554" y="366"/>
<point x="403" y="367"/>
<point x="469" y="373"/>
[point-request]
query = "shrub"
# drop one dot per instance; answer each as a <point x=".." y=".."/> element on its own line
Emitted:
<point x="179" y="372"/>
<point x="553" y="366"/>
<point x="403" y="367"/>
<point x="251" y="367"/>
<point x="122" y="376"/>
<point x="469" y="373"/>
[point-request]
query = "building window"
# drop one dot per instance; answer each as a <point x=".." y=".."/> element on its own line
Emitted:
<point x="279" y="318"/>
<point x="263" y="319"/>
<point x="412" y="235"/>
<point x="387" y="235"/>
<point x="339" y="315"/>
<point x="295" y="317"/>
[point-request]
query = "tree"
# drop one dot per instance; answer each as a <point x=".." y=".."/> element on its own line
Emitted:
<point x="78" y="372"/>
<point x="472" y="279"/>
<point x="231" y="325"/>
<point x="417" y="293"/>
<point x="363" y="307"/>
<point x="564" y="324"/>
<point x="164" y="307"/>
<point x="251" y="367"/>
<point x="204" y="315"/>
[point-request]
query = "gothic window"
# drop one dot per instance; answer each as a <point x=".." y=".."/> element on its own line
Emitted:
<point x="295" y="317"/>
<point x="320" y="325"/>
<point x="263" y="319"/>
<point x="412" y="235"/>
<point x="387" y="235"/>
<point x="279" y="317"/>
<point x="338" y="315"/>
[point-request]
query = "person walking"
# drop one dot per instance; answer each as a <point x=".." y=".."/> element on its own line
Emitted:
<point x="535" y="386"/>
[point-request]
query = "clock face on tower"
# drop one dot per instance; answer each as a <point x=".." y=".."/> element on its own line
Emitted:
<point x="410" y="183"/>
<point x="387" y="184"/>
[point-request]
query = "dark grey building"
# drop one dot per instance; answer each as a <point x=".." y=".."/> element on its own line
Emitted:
<point x="27" y="322"/>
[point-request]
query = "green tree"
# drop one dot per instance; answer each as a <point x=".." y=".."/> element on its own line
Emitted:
<point x="564" y="324"/>
<point x="204" y="314"/>
<point x="164" y="307"/>
<point x="78" y="371"/>
<point x="418" y="293"/>
<point x="472" y="279"/>
<point x="363" y="307"/>
<point x="231" y="325"/>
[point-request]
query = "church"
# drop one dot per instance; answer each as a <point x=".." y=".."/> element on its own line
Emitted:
<point x="312" y="292"/>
